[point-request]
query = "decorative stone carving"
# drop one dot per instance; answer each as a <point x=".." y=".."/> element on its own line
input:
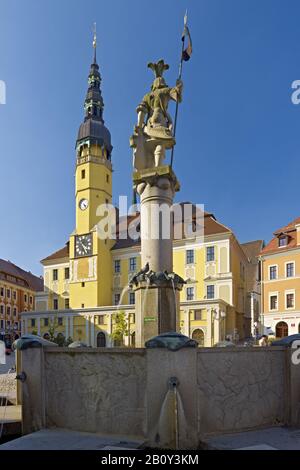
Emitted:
<point x="153" y="133"/>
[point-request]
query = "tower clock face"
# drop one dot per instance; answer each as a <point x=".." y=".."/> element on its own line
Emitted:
<point x="83" y="204"/>
<point x="84" y="245"/>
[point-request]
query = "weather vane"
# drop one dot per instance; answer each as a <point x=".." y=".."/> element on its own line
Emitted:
<point x="95" y="40"/>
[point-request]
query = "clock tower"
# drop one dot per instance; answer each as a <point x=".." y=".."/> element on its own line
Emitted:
<point x="90" y="256"/>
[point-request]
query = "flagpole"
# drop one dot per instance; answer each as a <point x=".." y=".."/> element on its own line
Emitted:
<point x="177" y="102"/>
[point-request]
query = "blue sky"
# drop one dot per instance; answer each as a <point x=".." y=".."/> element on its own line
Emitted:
<point x="238" y="131"/>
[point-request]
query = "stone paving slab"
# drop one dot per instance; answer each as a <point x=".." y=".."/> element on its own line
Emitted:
<point x="276" y="438"/>
<point x="63" y="439"/>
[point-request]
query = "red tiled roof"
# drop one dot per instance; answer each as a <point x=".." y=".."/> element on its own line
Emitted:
<point x="289" y="227"/>
<point x="290" y="231"/>
<point x="62" y="253"/>
<point x="252" y="249"/>
<point x="33" y="282"/>
<point x="211" y="227"/>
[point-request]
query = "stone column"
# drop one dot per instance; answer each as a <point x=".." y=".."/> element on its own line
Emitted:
<point x="127" y="338"/>
<point x="209" y="338"/>
<point x="187" y="322"/>
<point x="222" y="325"/>
<point x="87" y="330"/>
<point x="71" y="328"/>
<point x="156" y="188"/>
<point x="67" y="327"/>
<point x="39" y="326"/>
<point x="109" y="329"/>
<point x="156" y="297"/>
<point x="92" y="320"/>
<point x="217" y="324"/>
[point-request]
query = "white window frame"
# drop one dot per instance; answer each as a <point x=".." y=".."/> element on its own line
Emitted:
<point x="206" y="253"/>
<point x="286" y="239"/>
<point x="189" y="250"/>
<point x="134" y="263"/>
<point x="273" y="266"/>
<point x="285" y="269"/>
<point x="206" y="292"/>
<point x="129" y="296"/>
<point x="186" y="293"/>
<point x="291" y="291"/>
<point x="273" y="294"/>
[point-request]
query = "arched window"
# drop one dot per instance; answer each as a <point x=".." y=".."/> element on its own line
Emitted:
<point x="198" y="335"/>
<point x="101" y="340"/>
<point x="282" y="329"/>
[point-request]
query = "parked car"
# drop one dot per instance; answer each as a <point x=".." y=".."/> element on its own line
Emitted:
<point x="31" y="341"/>
<point x="287" y="341"/>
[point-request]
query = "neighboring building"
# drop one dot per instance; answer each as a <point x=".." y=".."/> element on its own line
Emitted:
<point x="280" y="273"/>
<point x="86" y="281"/>
<point x="17" y="294"/>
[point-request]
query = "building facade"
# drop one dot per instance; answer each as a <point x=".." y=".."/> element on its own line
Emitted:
<point x="17" y="294"/>
<point x="86" y="282"/>
<point x="280" y="273"/>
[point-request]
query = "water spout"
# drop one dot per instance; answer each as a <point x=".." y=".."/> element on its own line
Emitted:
<point x="173" y="384"/>
<point x="126" y="289"/>
<point x="172" y="426"/>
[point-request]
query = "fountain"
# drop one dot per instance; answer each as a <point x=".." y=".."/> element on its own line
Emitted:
<point x="153" y="391"/>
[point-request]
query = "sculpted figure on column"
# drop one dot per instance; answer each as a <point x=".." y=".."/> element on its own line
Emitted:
<point x="153" y="134"/>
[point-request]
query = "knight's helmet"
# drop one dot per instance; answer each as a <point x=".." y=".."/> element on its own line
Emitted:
<point x="158" y="69"/>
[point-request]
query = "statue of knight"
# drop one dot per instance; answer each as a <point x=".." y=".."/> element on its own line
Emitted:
<point x="154" y="135"/>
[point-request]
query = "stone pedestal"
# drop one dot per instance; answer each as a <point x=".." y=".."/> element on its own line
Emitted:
<point x="156" y="289"/>
<point x="157" y="310"/>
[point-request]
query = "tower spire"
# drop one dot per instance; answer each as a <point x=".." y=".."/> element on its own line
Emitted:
<point x="95" y="42"/>
<point x="93" y="130"/>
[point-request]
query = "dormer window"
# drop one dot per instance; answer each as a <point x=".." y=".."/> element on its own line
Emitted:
<point x="283" y="240"/>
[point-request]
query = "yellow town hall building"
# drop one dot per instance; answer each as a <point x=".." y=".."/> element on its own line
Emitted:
<point x="85" y="282"/>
